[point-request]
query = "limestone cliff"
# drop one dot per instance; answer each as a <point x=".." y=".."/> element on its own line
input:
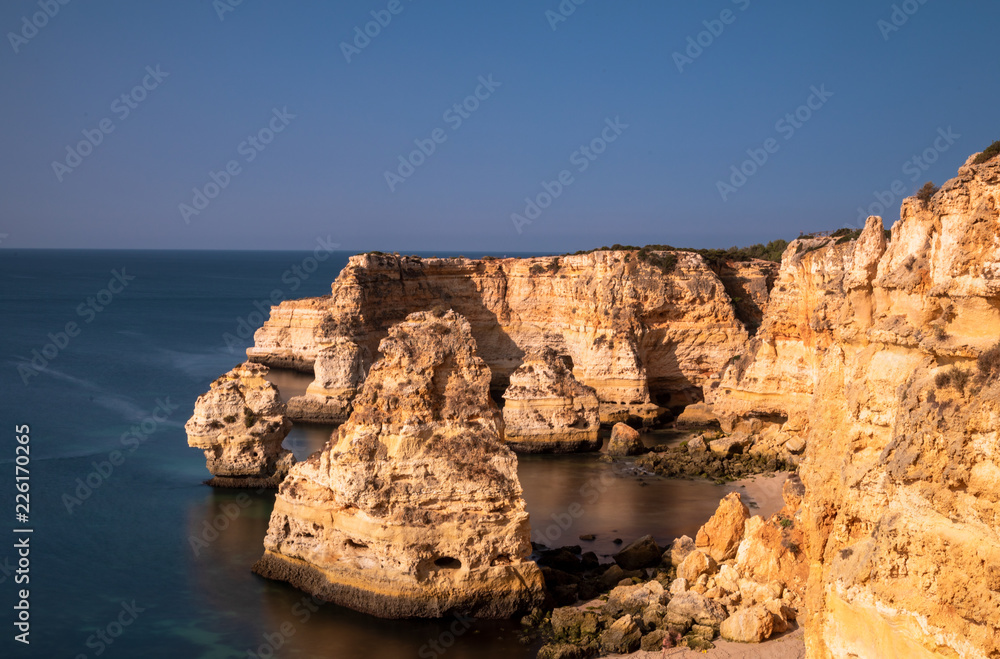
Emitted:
<point x="240" y="424"/>
<point x="340" y="370"/>
<point x="639" y="334"/>
<point x="547" y="410"/>
<point x="879" y="356"/>
<point x="414" y="507"/>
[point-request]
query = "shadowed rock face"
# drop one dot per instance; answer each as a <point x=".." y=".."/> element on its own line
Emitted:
<point x="641" y="338"/>
<point x="240" y="424"/>
<point x="547" y="410"/>
<point x="868" y="353"/>
<point x="414" y="508"/>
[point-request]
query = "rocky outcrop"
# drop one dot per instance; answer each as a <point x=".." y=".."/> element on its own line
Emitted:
<point x="625" y="441"/>
<point x="414" y="507"/>
<point x="878" y="357"/>
<point x="547" y="410"/>
<point x="340" y="370"/>
<point x="645" y="337"/>
<point x="240" y="424"/>
<point x="721" y="535"/>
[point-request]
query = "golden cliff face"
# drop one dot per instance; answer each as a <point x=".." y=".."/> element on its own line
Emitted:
<point x="414" y="507"/>
<point x="869" y="353"/>
<point x="639" y="337"/>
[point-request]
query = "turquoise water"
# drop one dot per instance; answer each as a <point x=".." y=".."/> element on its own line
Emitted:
<point x="145" y="560"/>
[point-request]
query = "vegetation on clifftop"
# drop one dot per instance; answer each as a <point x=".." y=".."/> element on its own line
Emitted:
<point x="772" y="251"/>
<point x="992" y="151"/>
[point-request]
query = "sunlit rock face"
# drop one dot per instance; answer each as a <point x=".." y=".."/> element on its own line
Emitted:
<point x="340" y="370"/>
<point x="547" y="410"/>
<point x="877" y="356"/>
<point x="240" y="424"/>
<point x="414" y="508"/>
<point x="643" y="337"/>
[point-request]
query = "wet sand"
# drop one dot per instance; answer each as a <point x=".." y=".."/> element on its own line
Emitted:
<point x="762" y="494"/>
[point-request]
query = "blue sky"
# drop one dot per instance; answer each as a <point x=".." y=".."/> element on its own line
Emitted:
<point x="551" y="91"/>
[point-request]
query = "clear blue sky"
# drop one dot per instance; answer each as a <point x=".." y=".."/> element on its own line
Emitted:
<point x="324" y="174"/>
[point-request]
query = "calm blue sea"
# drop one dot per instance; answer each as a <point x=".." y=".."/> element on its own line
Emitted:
<point x="126" y="555"/>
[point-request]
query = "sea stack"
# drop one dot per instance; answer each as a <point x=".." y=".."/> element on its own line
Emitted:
<point x="414" y="508"/>
<point x="240" y="424"/>
<point x="547" y="410"/>
<point x="340" y="371"/>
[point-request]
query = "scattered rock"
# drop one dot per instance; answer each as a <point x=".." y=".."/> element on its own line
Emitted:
<point x="642" y="553"/>
<point x="730" y="445"/>
<point x="625" y="441"/>
<point x="679" y="550"/>
<point x="690" y="607"/>
<point x="561" y="651"/>
<point x="721" y="535"/>
<point x="750" y="625"/>
<point x="697" y="444"/>
<point x="622" y="637"/>
<point x="697" y="564"/>
<point x="653" y="641"/>
<point x="588" y="537"/>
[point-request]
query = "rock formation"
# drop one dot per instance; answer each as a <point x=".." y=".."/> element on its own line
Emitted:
<point x="879" y="359"/>
<point x="240" y="424"/>
<point x="340" y="370"/>
<point x="625" y="441"/>
<point x="414" y="507"/>
<point x="644" y="337"/>
<point x="547" y="410"/>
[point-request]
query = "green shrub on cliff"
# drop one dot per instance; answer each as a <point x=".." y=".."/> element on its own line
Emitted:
<point x="925" y="193"/>
<point x="991" y="152"/>
<point x="989" y="362"/>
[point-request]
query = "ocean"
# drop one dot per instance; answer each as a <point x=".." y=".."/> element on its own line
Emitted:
<point x="129" y="553"/>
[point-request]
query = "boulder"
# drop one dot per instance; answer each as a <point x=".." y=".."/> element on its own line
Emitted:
<point x="413" y="508"/>
<point x="730" y="445"/>
<point x="240" y="425"/>
<point x="697" y="415"/>
<point x="679" y="550"/>
<point x="547" y="410"/>
<point x="641" y="553"/>
<point x="687" y="608"/>
<point x="750" y="625"/>
<point x="720" y="537"/>
<point x="625" y="441"/>
<point x="697" y="564"/>
<point x="622" y="637"/>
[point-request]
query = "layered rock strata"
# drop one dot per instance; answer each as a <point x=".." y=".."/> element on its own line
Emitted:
<point x="340" y="370"/>
<point x="645" y="337"/>
<point x="880" y="357"/>
<point x="240" y="425"/>
<point x="414" y="508"/>
<point x="547" y="410"/>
